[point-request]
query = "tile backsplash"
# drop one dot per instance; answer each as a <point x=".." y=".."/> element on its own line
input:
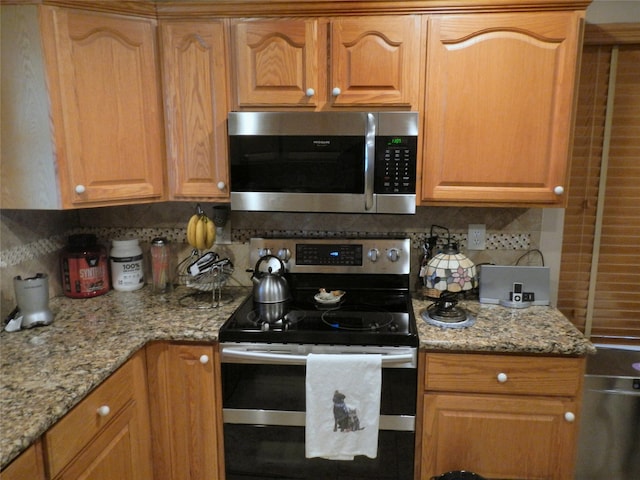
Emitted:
<point x="31" y="241"/>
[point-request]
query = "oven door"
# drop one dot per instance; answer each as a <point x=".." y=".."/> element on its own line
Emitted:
<point x="264" y="418"/>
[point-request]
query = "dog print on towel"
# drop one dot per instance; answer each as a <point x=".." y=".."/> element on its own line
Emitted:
<point x="344" y="418"/>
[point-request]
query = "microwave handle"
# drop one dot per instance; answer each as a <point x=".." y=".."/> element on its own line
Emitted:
<point x="369" y="161"/>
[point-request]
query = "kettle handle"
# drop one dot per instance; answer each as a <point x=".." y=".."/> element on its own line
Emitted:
<point x="269" y="259"/>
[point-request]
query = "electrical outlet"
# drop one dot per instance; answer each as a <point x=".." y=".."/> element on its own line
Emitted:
<point x="476" y="237"/>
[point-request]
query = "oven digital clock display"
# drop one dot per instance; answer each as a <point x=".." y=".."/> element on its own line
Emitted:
<point x="324" y="254"/>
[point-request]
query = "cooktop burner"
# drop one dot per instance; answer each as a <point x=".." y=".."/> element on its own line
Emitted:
<point x="358" y="317"/>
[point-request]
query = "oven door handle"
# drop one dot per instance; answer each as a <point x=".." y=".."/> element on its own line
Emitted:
<point x="289" y="359"/>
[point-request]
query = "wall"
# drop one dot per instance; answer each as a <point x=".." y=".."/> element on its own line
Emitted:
<point x="31" y="241"/>
<point x="614" y="11"/>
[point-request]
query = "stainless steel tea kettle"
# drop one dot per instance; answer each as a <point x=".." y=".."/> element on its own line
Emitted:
<point x="269" y="284"/>
<point x="271" y="293"/>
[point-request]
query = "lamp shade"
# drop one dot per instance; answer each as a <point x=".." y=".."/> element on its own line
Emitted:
<point x="451" y="271"/>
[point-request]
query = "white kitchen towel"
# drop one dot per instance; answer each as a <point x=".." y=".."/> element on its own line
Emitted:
<point x="343" y="406"/>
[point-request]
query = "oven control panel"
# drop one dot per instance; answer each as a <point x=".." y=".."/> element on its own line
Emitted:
<point x="336" y="255"/>
<point x="329" y="254"/>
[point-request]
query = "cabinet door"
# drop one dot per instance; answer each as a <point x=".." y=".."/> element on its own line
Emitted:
<point x="277" y="62"/>
<point x="499" y="436"/>
<point x="375" y="61"/>
<point x="106" y="108"/>
<point x="195" y="98"/>
<point x="185" y="405"/>
<point x="107" y="435"/>
<point x="499" y="103"/>
<point x="29" y="465"/>
<point x="114" y="454"/>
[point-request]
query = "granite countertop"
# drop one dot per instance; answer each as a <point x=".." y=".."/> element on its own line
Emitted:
<point x="45" y="371"/>
<point x="533" y="330"/>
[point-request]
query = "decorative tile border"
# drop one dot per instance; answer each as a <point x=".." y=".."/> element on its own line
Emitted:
<point x="30" y="251"/>
<point x="15" y="256"/>
<point x="493" y="241"/>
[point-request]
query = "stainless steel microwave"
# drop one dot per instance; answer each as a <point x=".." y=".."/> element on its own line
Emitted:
<point x="358" y="162"/>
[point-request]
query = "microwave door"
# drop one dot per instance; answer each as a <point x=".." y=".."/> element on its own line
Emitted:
<point x="298" y="173"/>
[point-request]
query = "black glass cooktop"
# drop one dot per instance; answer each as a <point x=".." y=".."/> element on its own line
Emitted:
<point x="367" y="317"/>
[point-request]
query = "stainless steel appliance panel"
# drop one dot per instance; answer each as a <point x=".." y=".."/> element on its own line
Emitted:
<point x="609" y="441"/>
<point x="264" y="414"/>
<point x="349" y="162"/>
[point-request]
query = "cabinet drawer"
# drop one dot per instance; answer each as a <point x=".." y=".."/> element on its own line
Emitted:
<point x="507" y="374"/>
<point x="76" y="429"/>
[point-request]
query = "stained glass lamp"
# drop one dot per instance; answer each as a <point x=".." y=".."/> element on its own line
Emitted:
<point x="448" y="274"/>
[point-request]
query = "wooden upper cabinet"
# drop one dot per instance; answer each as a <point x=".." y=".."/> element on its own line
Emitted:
<point x="195" y="99"/>
<point x="277" y="63"/>
<point x="106" y="108"/>
<point x="499" y="107"/>
<point x="324" y="63"/>
<point x="375" y="61"/>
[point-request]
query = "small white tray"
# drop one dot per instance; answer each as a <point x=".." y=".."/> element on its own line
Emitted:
<point x="328" y="298"/>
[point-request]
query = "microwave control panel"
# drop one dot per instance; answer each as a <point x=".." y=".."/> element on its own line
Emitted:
<point x="395" y="164"/>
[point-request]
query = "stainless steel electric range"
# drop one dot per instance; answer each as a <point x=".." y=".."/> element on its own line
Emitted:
<point x="347" y="296"/>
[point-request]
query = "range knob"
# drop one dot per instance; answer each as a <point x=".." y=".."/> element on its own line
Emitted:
<point x="373" y="254"/>
<point x="264" y="251"/>
<point x="393" y="254"/>
<point x="284" y="254"/>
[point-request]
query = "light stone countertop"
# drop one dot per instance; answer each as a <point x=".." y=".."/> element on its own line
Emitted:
<point x="532" y="330"/>
<point x="45" y="371"/>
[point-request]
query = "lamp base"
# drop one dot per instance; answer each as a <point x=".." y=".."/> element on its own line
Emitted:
<point x="445" y="313"/>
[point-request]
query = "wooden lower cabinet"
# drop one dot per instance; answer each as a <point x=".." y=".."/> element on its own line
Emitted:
<point x="186" y="428"/>
<point x="107" y="435"/>
<point x="29" y="465"/>
<point x="492" y="431"/>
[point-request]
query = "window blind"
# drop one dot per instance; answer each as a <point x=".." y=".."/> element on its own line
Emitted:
<point x="600" y="272"/>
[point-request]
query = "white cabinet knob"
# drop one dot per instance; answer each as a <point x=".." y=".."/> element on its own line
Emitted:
<point x="204" y="359"/>
<point x="310" y="92"/>
<point x="221" y="185"/>
<point x="570" y="417"/>
<point x="558" y="190"/>
<point x="502" y="377"/>
<point x="80" y="189"/>
<point x="336" y="91"/>
<point x="104" y="410"/>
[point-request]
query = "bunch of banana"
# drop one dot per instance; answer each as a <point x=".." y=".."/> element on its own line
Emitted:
<point x="201" y="231"/>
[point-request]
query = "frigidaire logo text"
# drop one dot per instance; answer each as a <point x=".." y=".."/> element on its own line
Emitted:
<point x="322" y="143"/>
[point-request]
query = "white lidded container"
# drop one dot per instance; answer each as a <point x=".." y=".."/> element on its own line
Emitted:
<point x="127" y="268"/>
